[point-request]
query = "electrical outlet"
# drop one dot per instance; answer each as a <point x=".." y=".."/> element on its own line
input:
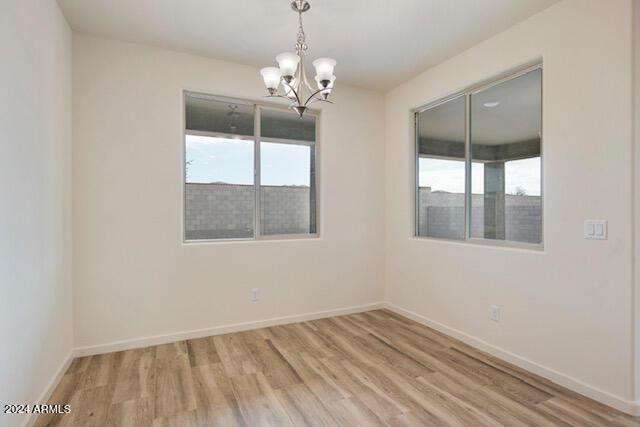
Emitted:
<point x="254" y="294"/>
<point x="495" y="313"/>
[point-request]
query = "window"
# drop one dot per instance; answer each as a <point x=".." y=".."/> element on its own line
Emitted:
<point x="479" y="163"/>
<point x="249" y="170"/>
<point x="441" y="174"/>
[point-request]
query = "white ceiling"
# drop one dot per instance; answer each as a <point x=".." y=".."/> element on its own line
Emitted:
<point x="516" y="118"/>
<point x="377" y="43"/>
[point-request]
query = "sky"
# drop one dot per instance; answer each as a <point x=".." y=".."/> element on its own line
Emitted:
<point x="231" y="161"/>
<point x="448" y="175"/>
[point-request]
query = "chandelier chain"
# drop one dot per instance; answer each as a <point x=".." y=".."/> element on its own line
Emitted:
<point x="301" y="45"/>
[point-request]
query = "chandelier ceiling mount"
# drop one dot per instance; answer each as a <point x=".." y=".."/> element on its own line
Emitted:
<point x="300" y="5"/>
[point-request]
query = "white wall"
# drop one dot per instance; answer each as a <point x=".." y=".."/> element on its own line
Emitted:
<point x="35" y="199"/>
<point x="568" y="309"/>
<point x="133" y="277"/>
<point x="636" y="136"/>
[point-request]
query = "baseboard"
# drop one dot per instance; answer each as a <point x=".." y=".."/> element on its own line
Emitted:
<point x="627" y="406"/>
<point x="51" y="386"/>
<point x="218" y="330"/>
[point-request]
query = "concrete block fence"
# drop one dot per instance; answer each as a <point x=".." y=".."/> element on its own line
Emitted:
<point x="226" y="211"/>
<point x="441" y="214"/>
<point x="220" y="211"/>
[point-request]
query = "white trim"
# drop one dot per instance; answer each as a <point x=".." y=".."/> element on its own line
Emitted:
<point x="628" y="406"/>
<point x="30" y="419"/>
<point x="218" y="330"/>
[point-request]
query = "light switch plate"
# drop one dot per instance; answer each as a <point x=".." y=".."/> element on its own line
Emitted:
<point x="595" y="229"/>
<point x="495" y="313"/>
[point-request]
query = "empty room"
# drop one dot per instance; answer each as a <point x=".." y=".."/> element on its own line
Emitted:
<point x="320" y="213"/>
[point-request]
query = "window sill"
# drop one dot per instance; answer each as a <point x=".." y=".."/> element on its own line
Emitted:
<point x="498" y="244"/>
<point x="263" y="239"/>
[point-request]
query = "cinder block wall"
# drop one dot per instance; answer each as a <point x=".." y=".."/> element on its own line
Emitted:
<point x="285" y="210"/>
<point x="216" y="211"/>
<point x="441" y="214"/>
<point x="226" y="211"/>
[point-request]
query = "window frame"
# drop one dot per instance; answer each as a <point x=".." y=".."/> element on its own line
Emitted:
<point x="257" y="139"/>
<point x="468" y="160"/>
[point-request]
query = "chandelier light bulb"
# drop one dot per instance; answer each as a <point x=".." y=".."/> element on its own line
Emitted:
<point x="288" y="63"/>
<point x="324" y="68"/>
<point x="271" y="76"/>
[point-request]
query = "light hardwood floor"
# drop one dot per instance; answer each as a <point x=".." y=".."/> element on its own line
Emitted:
<point x="368" y="369"/>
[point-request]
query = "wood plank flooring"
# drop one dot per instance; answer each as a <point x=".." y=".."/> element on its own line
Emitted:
<point x="368" y="369"/>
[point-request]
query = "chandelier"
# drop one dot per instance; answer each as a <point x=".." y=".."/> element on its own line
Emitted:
<point x="292" y="75"/>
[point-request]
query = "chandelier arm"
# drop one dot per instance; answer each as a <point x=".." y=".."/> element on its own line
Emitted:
<point x="277" y="95"/>
<point x="314" y="99"/>
<point x="294" y="92"/>
<point x="319" y="100"/>
<point x="313" y="96"/>
<point x="306" y="81"/>
<point x="300" y="72"/>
